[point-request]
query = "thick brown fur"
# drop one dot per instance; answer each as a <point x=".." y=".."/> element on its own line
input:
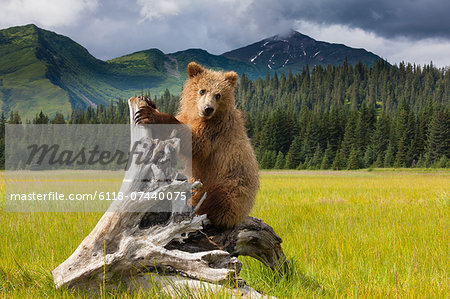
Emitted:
<point x="222" y="155"/>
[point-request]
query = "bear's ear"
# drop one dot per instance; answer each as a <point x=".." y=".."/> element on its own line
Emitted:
<point x="194" y="69"/>
<point x="231" y="77"/>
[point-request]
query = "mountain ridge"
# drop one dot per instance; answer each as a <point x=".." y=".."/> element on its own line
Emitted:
<point x="297" y="50"/>
<point x="43" y="70"/>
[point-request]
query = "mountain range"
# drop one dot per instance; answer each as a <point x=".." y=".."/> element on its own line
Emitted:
<point x="44" y="71"/>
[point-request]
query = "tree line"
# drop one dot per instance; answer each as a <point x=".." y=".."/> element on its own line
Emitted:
<point x="345" y="117"/>
<point x="334" y="117"/>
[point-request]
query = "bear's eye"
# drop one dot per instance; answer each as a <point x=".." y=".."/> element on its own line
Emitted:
<point x="218" y="96"/>
<point x="202" y="92"/>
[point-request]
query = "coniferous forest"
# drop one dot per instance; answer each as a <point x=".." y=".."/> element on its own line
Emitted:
<point x="334" y="117"/>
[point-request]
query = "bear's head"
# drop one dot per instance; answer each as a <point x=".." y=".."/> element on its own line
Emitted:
<point x="208" y="93"/>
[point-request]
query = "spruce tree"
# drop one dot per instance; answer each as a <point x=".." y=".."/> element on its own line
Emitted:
<point x="427" y="160"/>
<point x="293" y="155"/>
<point x="349" y="140"/>
<point x="14" y="118"/>
<point x="442" y="162"/>
<point x="338" y="162"/>
<point x="279" y="164"/>
<point x="334" y="130"/>
<point x="420" y="162"/>
<point x="400" y="158"/>
<point x="268" y="160"/>
<point x="353" y="159"/>
<point x="389" y="157"/>
<point x="316" y="159"/>
<point x="380" y="136"/>
<point x="439" y="135"/>
<point x="364" y="127"/>
<point x="59" y="119"/>
<point x="379" y="162"/>
<point x="272" y="159"/>
<point x="263" y="164"/>
<point x="368" y="157"/>
<point x="325" y="163"/>
<point x="40" y="119"/>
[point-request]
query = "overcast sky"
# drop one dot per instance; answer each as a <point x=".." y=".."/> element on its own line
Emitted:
<point x="416" y="31"/>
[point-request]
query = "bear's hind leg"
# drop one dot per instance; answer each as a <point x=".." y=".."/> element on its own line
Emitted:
<point x="226" y="207"/>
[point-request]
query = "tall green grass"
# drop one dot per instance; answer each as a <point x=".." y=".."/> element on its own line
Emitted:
<point x="358" y="234"/>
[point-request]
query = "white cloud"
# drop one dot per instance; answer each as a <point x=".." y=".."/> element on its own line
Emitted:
<point x="216" y="26"/>
<point x="422" y="51"/>
<point x="159" y="9"/>
<point x="46" y="13"/>
<point x="163" y="9"/>
<point x="395" y="50"/>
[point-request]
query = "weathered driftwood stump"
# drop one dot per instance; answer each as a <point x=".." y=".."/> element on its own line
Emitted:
<point x="165" y="239"/>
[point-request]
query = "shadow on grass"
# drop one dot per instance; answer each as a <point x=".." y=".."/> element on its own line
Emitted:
<point x="304" y="280"/>
<point x="288" y="284"/>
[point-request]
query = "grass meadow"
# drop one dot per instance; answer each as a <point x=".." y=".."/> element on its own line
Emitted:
<point x="379" y="233"/>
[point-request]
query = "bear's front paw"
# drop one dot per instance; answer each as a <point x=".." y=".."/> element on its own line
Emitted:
<point x="144" y="115"/>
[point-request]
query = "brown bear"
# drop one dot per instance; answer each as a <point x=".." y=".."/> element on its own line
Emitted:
<point x="222" y="155"/>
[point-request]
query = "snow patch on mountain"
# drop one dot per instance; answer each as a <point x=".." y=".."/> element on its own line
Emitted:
<point x="253" y="59"/>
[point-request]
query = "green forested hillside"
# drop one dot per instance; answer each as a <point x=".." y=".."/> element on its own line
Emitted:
<point x="44" y="71"/>
<point x="341" y="117"/>
<point x="41" y="70"/>
<point x="24" y="84"/>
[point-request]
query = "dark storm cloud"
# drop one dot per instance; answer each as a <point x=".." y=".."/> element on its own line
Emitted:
<point x="388" y="18"/>
<point x="113" y="27"/>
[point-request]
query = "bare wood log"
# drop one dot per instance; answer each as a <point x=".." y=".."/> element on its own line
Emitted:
<point x="125" y="245"/>
<point x="253" y="237"/>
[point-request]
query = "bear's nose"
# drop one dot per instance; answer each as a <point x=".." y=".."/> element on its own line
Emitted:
<point x="208" y="110"/>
